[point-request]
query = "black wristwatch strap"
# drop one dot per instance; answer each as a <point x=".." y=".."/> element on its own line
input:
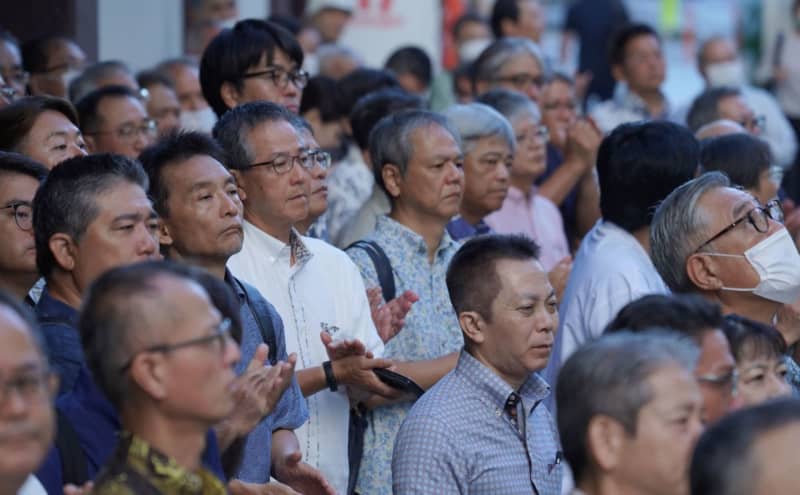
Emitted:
<point x="330" y="379"/>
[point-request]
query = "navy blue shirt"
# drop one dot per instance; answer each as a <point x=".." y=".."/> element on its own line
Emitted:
<point x="461" y="230"/>
<point x="59" y="326"/>
<point x="97" y="426"/>
<point x="568" y="207"/>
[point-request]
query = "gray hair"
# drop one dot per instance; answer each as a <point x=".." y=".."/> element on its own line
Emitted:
<point x="390" y="143"/>
<point x="89" y="78"/>
<point x="678" y="228"/>
<point x="610" y="377"/>
<point x="233" y="128"/>
<point x="475" y="121"/>
<point x="491" y="61"/>
<point x="329" y="54"/>
<point x="511" y="104"/>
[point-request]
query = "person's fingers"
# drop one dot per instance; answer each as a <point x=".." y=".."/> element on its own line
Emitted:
<point x="259" y="358"/>
<point x="326" y="338"/>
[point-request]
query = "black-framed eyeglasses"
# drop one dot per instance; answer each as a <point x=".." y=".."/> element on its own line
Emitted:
<point x="283" y="163"/>
<point x="758" y="216"/>
<point x="280" y="77"/>
<point x="321" y="159"/>
<point x="729" y="380"/>
<point x="218" y="339"/>
<point x="521" y="80"/>
<point x="23" y="215"/>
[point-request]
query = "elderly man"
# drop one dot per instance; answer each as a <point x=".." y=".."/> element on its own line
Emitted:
<point x="329" y="17"/>
<point x="162" y="103"/>
<point x="718" y="241"/>
<point x="295" y="273"/>
<point x="723" y="102"/>
<point x="99" y="75"/>
<point x="750" y="452"/>
<point x="52" y="62"/>
<point x="255" y="61"/>
<point x="720" y="65"/>
<point x="114" y="120"/>
<point x="622" y="398"/>
<point x="19" y="179"/>
<point x="479" y="429"/>
<point x="201" y="224"/>
<point x="700" y="320"/>
<point x="488" y="144"/>
<point x="417" y="159"/>
<point x="183" y="73"/>
<point x="511" y="63"/>
<point x="27" y="422"/>
<point x="638" y="65"/>
<point x="162" y="354"/>
<point x="612" y="266"/>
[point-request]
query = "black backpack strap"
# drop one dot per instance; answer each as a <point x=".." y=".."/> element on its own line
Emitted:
<point x="383" y="266"/>
<point x="265" y="327"/>
<point x="74" y="468"/>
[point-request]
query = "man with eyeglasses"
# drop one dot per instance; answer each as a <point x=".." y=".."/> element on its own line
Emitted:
<point x="255" y="61"/>
<point x="516" y="64"/>
<point x="114" y="120"/>
<point x="723" y="102"/>
<point x="160" y="351"/>
<point x="27" y="421"/>
<point x="700" y="320"/>
<point x="315" y="224"/>
<point x="19" y="179"/>
<point x="201" y="224"/>
<point x="712" y="239"/>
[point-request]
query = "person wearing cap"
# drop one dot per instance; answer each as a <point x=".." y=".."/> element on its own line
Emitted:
<point x="329" y="17"/>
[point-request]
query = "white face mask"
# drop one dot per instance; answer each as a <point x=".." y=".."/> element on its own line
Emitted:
<point x="228" y="23"/>
<point x="726" y="74"/>
<point x="777" y="263"/>
<point x="202" y="120"/>
<point x="470" y="50"/>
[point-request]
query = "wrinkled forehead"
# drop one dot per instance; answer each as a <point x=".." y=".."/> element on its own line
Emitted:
<point x="723" y="205"/>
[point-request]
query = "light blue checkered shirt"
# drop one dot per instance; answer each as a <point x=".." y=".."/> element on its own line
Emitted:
<point x="459" y="438"/>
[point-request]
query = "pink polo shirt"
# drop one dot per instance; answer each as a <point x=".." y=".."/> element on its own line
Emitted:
<point x="536" y="217"/>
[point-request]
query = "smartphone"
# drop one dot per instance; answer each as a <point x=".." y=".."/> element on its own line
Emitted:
<point x="398" y="381"/>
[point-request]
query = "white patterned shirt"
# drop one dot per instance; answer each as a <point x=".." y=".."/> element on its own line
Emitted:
<point x="323" y="290"/>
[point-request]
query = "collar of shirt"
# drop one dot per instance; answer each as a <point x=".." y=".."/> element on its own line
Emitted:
<point x="49" y="307"/>
<point x="163" y="471"/>
<point x="517" y="196"/>
<point x="407" y="241"/>
<point x="533" y="391"/>
<point x="275" y="249"/>
<point x="626" y="98"/>
<point x="460" y="229"/>
<point x="234" y="284"/>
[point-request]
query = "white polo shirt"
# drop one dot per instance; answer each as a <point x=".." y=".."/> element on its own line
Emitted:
<point x="323" y="290"/>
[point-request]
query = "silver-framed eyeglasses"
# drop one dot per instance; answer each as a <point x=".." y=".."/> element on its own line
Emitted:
<point x="283" y="162"/>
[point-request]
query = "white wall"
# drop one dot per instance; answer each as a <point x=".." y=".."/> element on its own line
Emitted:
<point x="139" y="32"/>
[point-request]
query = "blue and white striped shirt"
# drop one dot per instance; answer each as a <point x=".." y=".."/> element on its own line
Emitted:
<point x="472" y="433"/>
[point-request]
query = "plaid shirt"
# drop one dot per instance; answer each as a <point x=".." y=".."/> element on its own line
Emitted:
<point x="472" y="433"/>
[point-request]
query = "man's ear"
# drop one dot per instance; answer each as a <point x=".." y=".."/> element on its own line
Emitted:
<point x="703" y="272"/>
<point x="229" y="94"/>
<point x="147" y="370"/>
<point x="392" y="179"/>
<point x="605" y="441"/>
<point x="64" y="250"/>
<point x="239" y="177"/>
<point x="164" y="237"/>
<point x="472" y="325"/>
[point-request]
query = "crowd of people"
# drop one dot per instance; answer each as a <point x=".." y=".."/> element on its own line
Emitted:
<point x="271" y="269"/>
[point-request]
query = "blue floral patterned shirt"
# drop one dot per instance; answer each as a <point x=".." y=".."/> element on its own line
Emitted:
<point x="431" y="331"/>
<point x="473" y="433"/>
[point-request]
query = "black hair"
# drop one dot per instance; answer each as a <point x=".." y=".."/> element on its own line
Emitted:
<point x="411" y="60"/>
<point x="466" y="18"/>
<point x="233" y="51"/>
<point x="317" y="96"/>
<point x="287" y="22"/>
<point x="89" y="106"/>
<point x="724" y="460"/>
<point x="17" y="118"/>
<point x="751" y="339"/>
<point x="359" y="83"/>
<point x="36" y="53"/>
<point x="370" y="109"/>
<point x="689" y="314"/>
<point x="623" y="36"/>
<point x="472" y="279"/>
<point x="149" y="78"/>
<point x="638" y="165"/>
<point x="232" y="128"/>
<point x="705" y="107"/>
<point x="17" y="163"/>
<point x="742" y="157"/>
<point x="502" y="10"/>
<point x="65" y="202"/>
<point x="171" y="150"/>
